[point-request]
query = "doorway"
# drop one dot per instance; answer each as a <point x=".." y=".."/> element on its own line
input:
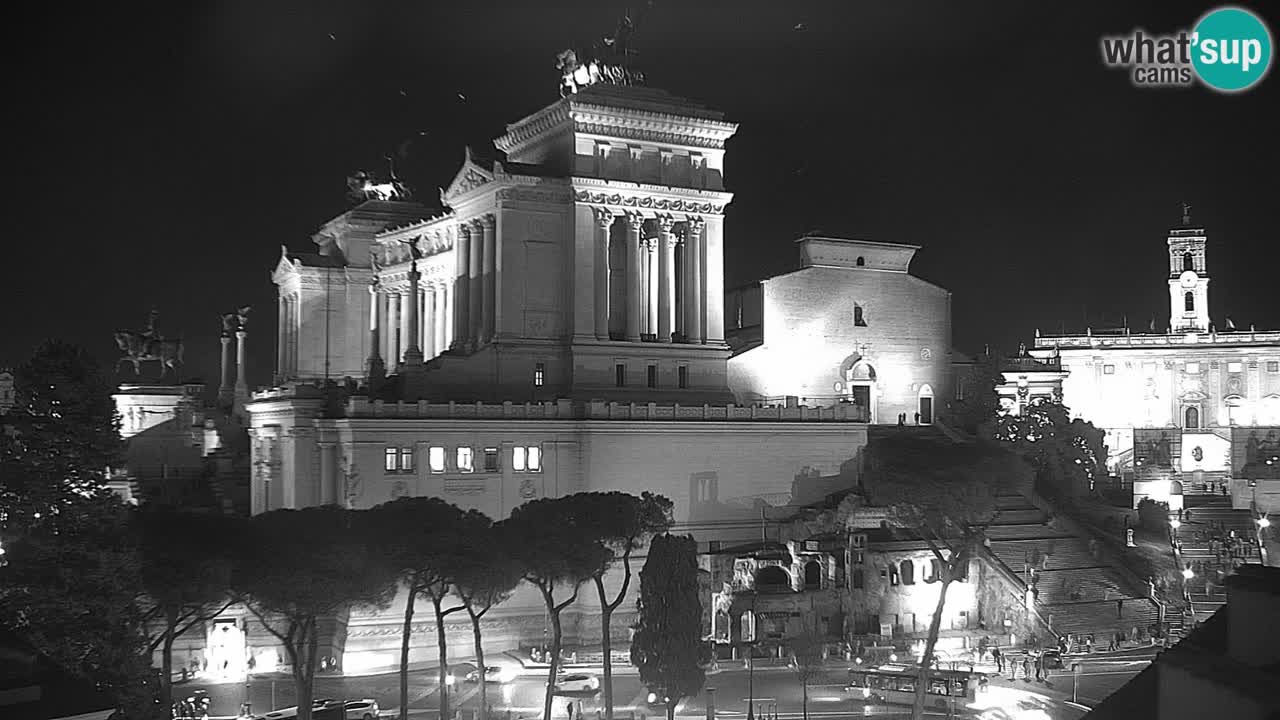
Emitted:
<point x="925" y="404"/>
<point x="226" y="649"/>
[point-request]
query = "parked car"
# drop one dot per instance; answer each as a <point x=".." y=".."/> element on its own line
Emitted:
<point x="1052" y="658"/>
<point x="577" y="683"/>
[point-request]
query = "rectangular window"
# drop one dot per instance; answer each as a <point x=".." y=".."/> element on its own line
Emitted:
<point x="391" y="460"/>
<point x="435" y="459"/>
<point x="1273" y="366"/>
<point x="406" y="459"/>
<point x="682" y="376"/>
<point x="518" y="459"/>
<point x="1193" y="368"/>
<point x="1108" y="369"/>
<point x="651" y="376"/>
<point x="491" y="459"/>
<point x="539" y="372"/>
<point x="1235" y="367"/>
<point x="466" y="459"/>
<point x="620" y="375"/>
<point x="535" y="458"/>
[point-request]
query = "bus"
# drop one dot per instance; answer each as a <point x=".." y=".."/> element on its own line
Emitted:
<point x="895" y="684"/>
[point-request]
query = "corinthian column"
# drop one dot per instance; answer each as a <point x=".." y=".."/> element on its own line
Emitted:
<point x="604" y="221"/>
<point x="224" y="386"/>
<point x="412" y="351"/>
<point x="489" y="270"/>
<point x="634" y="295"/>
<point x="429" y="345"/>
<point x="693" y="326"/>
<point x="242" y="383"/>
<point x="462" y="288"/>
<point x="393" y="329"/>
<point x="281" y="338"/>
<point x="474" y="282"/>
<point x="666" y="279"/>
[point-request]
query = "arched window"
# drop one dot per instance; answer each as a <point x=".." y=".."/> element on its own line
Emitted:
<point x="1188" y="261"/>
<point x="772" y="579"/>
<point x="861" y="261"/>
<point x="908" y="572"/>
<point x="1193" y="418"/>
<point x="812" y="575"/>
<point x="1189" y="302"/>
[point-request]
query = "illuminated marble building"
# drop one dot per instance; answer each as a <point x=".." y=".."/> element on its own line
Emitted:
<point x="559" y="327"/>
<point x="1198" y="403"/>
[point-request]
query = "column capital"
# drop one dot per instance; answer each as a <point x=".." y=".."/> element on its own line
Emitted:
<point x="635" y="221"/>
<point x="665" y="223"/>
<point x="695" y="223"/>
<point x="485" y="222"/>
<point x="604" y="217"/>
<point x="463" y="228"/>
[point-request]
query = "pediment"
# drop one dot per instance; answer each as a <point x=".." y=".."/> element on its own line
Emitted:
<point x="469" y="177"/>
<point x="1193" y="396"/>
<point x="284" y="267"/>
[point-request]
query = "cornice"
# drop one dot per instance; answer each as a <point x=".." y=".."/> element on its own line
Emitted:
<point x="657" y="198"/>
<point x="521" y="133"/>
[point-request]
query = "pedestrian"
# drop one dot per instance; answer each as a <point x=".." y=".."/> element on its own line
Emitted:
<point x="917" y="418"/>
<point x="998" y="658"/>
<point x="902" y="419"/>
<point x="568" y="708"/>
<point x="1026" y="668"/>
<point x="1188" y="516"/>
<point x="1111" y="646"/>
<point x="1039" y="667"/>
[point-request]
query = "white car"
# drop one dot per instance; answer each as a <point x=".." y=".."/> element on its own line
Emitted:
<point x="366" y="709"/>
<point x="577" y="683"/>
<point x="494" y="674"/>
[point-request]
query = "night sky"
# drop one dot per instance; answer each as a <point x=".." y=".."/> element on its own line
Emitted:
<point x="163" y="155"/>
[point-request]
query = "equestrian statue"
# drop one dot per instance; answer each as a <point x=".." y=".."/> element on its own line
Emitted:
<point x="141" y="346"/>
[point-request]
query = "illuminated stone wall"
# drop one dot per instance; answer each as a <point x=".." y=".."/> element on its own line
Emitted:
<point x="812" y="339"/>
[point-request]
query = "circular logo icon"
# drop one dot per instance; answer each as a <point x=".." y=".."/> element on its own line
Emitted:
<point x="1231" y="49"/>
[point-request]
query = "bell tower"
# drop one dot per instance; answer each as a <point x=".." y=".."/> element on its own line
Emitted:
<point x="1188" y="277"/>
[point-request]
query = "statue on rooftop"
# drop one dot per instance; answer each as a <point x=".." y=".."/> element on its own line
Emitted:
<point x="147" y="345"/>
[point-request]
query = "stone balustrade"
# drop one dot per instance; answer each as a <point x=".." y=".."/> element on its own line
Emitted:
<point x="360" y="407"/>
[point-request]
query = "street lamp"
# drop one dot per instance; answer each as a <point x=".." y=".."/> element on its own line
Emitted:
<point x="751" y="660"/>
<point x="1187" y="573"/>
<point x="1261" y="521"/>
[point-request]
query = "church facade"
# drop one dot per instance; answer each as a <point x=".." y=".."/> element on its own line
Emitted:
<point x="1197" y="404"/>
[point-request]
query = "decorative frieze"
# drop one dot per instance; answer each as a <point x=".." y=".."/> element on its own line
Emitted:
<point x="648" y="202"/>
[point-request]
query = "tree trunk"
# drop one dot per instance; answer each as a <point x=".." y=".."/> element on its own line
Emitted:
<point x="442" y="647"/>
<point x="166" y="659"/>
<point x="484" y="698"/>
<point x="917" y="708"/>
<point x="404" y="653"/>
<point x="804" y="702"/>
<point x="671" y="708"/>
<point x="304" y="658"/>
<point x="606" y="644"/>
<point x="555" y="652"/>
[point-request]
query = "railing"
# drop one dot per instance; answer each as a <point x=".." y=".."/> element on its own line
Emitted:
<point x="599" y="410"/>
<point x="1092" y="339"/>
<point x="1031" y="364"/>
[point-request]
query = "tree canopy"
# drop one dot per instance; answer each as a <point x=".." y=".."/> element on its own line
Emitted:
<point x="667" y="647"/>
<point x="1068" y="455"/>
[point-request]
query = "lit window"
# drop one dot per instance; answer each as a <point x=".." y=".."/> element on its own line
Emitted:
<point x="620" y="375"/>
<point x="682" y="376"/>
<point x="1235" y="367"/>
<point x="518" y="458"/>
<point x="526" y="458"/>
<point x="435" y="459"/>
<point x="406" y="459"/>
<point x="466" y="459"/>
<point x="893" y="576"/>
<point x="391" y="460"/>
<point x="539" y="371"/>
<point x="651" y="377"/>
<point x="1273" y="366"/>
<point x="1108" y="369"/>
<point x="491" y="459"/>
<point x="535" y="458"/>
<point x="1193" y="368"/>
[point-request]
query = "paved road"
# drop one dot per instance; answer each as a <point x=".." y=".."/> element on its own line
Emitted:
<point x="775" y="690"/>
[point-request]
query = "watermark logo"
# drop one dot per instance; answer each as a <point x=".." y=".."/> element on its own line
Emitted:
<point x="1228" y="51"/>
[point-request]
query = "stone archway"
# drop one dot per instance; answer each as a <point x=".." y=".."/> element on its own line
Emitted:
<point x="924" y="404"/>
<point x="772" y="578"/>
<point x="860" y="384"/>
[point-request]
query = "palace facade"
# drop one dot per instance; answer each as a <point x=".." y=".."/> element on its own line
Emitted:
<point x="1197" y="404"/>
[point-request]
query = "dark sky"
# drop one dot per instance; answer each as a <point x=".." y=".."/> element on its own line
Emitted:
<point x="163" y="155"/>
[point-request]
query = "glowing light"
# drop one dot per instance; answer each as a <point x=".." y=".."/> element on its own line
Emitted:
<point x="1187" y="573"/>
<point x="1175" y="523"/>
<point x="893" y="657"/>
<point x="450" y="679"/>
<point x="653" y="697"/>
<point x="1263" y="522"/>
<point x="858" y="660"/>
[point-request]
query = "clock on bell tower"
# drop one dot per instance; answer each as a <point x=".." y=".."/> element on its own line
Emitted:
<point x="1188" y="277"/>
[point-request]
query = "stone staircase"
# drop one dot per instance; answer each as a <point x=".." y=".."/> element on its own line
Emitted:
<point x="1206" y="515"/>
<point x="1076" y="591"/>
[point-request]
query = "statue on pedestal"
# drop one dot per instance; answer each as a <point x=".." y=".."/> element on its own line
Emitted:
<point x="141" y="346"/>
